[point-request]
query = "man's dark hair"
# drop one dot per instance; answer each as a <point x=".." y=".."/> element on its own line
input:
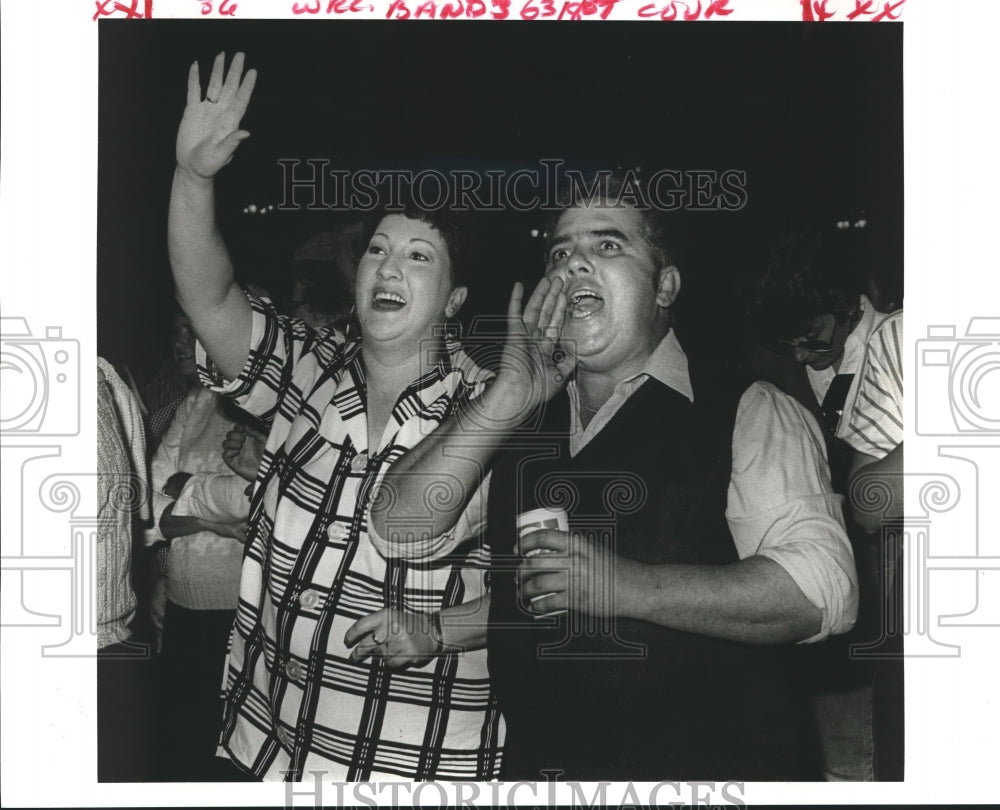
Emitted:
<point x="454" y="229"/>
<point x="612" y="191"/>
<point x="805" y="279"/>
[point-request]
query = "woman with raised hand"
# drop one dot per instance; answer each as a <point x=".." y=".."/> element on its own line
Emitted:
<point x="342" y="660"/>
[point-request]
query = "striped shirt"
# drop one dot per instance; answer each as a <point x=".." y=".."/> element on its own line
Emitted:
<point x="875" y="426"/>
<point x="295" y="702"/>
<point x="123" y="496"/>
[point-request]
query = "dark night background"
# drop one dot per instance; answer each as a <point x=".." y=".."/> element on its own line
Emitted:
<point x="812" y="113"/>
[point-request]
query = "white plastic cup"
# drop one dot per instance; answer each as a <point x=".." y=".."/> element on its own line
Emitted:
<point x="537" y="520"/>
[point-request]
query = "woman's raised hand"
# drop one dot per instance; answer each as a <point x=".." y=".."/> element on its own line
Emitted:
<point x="210" y="129"/>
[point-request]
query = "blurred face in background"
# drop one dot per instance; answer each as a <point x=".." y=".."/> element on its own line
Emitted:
<point x="182" y="342"/>
<point x="821" y="346"/>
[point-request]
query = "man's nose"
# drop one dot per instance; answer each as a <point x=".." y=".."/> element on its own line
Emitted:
<point x="577" y="262"/>
<point x="802" y="355"/>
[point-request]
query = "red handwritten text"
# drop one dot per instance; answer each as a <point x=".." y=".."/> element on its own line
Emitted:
<point x="680" y="9"/>
<point x="567" y="11"/>
<point x="874" y="10"/>
<point x="811" y="10"/>
<point x="107" y="8"/>
<point x="499" y="9"/>
<point x="227" y="8"/>
<point x="333" y="7"/>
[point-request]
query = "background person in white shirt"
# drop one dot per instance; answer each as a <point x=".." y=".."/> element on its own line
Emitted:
<point x="809" y="308"/>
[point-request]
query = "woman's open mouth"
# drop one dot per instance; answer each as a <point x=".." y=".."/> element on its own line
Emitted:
<point x="386" y="301"/>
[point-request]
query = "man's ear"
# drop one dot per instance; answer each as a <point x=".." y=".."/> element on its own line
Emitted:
<point x="667" y="286"/>
<point x="455" y="300"/>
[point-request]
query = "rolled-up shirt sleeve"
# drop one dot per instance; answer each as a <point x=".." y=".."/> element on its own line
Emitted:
<point x="470" y="524"/>
<point x="214" y="496"/>
<point x="277" y="343"/>
<point x="781" y="504"/>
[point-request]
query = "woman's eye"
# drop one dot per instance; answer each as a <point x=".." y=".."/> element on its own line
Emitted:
<point x="610" y="244"/>
<point x="376" y="250"/>
<point x="420" y="257"/>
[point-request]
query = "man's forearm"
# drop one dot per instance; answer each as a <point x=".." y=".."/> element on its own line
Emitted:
<point x="456" y="455"/>
<point x="203" y="273"/>
<point x="753" y="600"/>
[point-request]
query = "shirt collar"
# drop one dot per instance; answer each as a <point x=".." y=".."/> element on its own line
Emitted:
<point x="669" y="365"/>
<point x="454" y="369"/>
<point x="857" y="341"/>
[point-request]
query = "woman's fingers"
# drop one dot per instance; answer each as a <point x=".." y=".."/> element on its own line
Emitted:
<point x="232" y="81"/>
<point x="242" y="98"/>
<point x="215" y="81"/>
<point x="194" y="84"/>
<point x="363" y="651"/>
<point x="363" y="626"/>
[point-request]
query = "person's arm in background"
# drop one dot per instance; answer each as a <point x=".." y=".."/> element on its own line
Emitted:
<point x="215" y="502"/>
<point x="172" y="526"/>
<point x="166" y="477"/>
<point x="875" y="430"/>
<point x="163" y="467"/>
<point x="887" y="474"/>
<point x="242" y="450"/>
<point x="205" y="283"/>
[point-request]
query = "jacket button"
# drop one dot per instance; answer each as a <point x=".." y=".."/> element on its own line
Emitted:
<point x="359" y="463"/>
<point x="337" y="531"/>
<point x="294" y="671"/>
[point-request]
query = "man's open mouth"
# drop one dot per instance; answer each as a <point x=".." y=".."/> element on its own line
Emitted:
<point x="583" y="303"/>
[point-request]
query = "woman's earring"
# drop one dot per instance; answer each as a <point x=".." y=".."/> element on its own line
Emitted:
<point x="352" y="319"/>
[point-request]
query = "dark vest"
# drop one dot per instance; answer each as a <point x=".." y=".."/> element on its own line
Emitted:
<point x="622" y="699"/>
